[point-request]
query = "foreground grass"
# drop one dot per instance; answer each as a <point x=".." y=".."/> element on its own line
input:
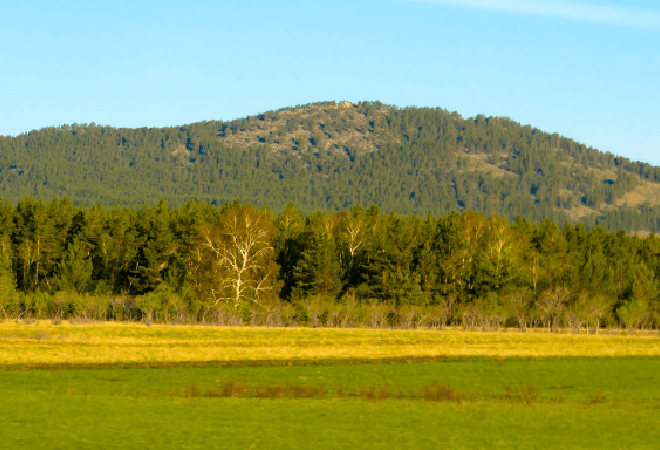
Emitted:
<point x="123" y="423"/>
<point x="44" y="343"/>
<point x="590" y="403"/>
<point x="618" y="382"/>
<point x="300" y="388"/>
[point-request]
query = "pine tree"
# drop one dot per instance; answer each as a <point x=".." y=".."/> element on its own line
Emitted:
<point x="155" y="245"/>
<point x="75" y="268"/>
<point x="319" y="269"/>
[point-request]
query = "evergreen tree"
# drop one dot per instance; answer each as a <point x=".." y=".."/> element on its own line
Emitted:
<point x="76" y="268"/>
<point x="319" y="270"/>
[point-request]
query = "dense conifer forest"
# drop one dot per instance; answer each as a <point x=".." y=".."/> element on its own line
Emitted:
<point x="330" y="156"/>
<point x="361" y="267"/>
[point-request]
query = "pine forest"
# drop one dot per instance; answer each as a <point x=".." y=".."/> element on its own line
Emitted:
<point x="331" y="156"/>
<point x="240" y="264"/>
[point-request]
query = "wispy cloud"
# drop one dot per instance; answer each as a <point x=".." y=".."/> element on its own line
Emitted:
<point x="616" y="15"/>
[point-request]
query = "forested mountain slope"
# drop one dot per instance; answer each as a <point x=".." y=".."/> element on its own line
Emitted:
<point x="329" y="156"/>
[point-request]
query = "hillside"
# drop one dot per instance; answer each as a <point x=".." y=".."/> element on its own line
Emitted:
<point x="330" y="156"/>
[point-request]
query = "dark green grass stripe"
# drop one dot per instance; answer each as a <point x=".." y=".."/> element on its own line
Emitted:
<point x="309" y="362"/>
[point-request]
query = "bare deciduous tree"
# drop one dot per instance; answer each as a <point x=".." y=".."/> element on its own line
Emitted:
<point x="552" y="303"/>
<point x="520" y="302"/>
<point x="446" y="310"/>
<point x="237" y="257"/>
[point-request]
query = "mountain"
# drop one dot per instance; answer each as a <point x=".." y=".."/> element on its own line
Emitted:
<point x="329" y="156"/>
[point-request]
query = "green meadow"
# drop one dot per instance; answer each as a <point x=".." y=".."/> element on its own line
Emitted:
<point x="473" y="402"/>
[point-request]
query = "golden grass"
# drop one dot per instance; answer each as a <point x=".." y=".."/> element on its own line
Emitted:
<point x="332" y="140"/>
<point x="579" y="210"/>
<point x="479" y="161"/>
<point x="107" y="342"/>
<point x="645" y="191"/>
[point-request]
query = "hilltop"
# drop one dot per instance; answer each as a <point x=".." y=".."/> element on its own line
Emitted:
<point x="330" y="156"/>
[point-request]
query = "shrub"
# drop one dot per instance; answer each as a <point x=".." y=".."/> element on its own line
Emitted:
<point x="393" y="319"/>
<point x="436" y="392"/>
<point x="302" y="314"/>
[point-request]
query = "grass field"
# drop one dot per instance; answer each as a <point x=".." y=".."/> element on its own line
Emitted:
<point x="319" y="388"/>
<point x="108" y="342"/>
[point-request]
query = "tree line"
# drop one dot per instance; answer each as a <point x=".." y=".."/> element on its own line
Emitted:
<point x="199" y="262"/>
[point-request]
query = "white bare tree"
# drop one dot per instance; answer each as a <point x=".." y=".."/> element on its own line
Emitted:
<point x="354" y="236"/>
<point x="238" y="256"/>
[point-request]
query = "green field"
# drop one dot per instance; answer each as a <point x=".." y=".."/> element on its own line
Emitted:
<point x="464" y="401"/>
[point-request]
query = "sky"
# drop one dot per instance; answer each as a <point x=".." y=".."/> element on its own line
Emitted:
<point x="587" y="70"/>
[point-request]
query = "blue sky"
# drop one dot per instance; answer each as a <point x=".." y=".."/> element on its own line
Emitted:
<point x="587" y="70"/>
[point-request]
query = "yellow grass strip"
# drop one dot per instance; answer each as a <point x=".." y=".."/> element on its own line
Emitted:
<point x="110" y="343"/>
